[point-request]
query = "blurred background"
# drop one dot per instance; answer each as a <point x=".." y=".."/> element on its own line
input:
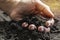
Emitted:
<point x="54" y="6"/>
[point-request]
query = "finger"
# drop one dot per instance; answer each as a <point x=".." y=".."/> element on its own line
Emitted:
<point x="47" y="29"/>
<point x="32" y="27"/>
<point x="48" y="24"/>
<point x="25" y="24"/>
<point x="52" y="21"/>
<point x="41" y="28"/>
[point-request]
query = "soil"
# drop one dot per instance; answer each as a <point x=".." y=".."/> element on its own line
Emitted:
<point x="11" y="30"/>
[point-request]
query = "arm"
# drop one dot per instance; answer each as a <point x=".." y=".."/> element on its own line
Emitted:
<point x="44" y="9"/>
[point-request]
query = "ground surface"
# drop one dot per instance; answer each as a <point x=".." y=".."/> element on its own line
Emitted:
<point x="4" y="27"/>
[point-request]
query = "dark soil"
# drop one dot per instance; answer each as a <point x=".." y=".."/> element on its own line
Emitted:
<point x="11" y="30"/>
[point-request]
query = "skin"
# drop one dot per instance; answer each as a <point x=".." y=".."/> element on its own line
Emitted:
<point x="31" y="9"/>
<point x="25" y="24"/>
<point x="32" y="27"/>
<point x="16" y="9"/>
